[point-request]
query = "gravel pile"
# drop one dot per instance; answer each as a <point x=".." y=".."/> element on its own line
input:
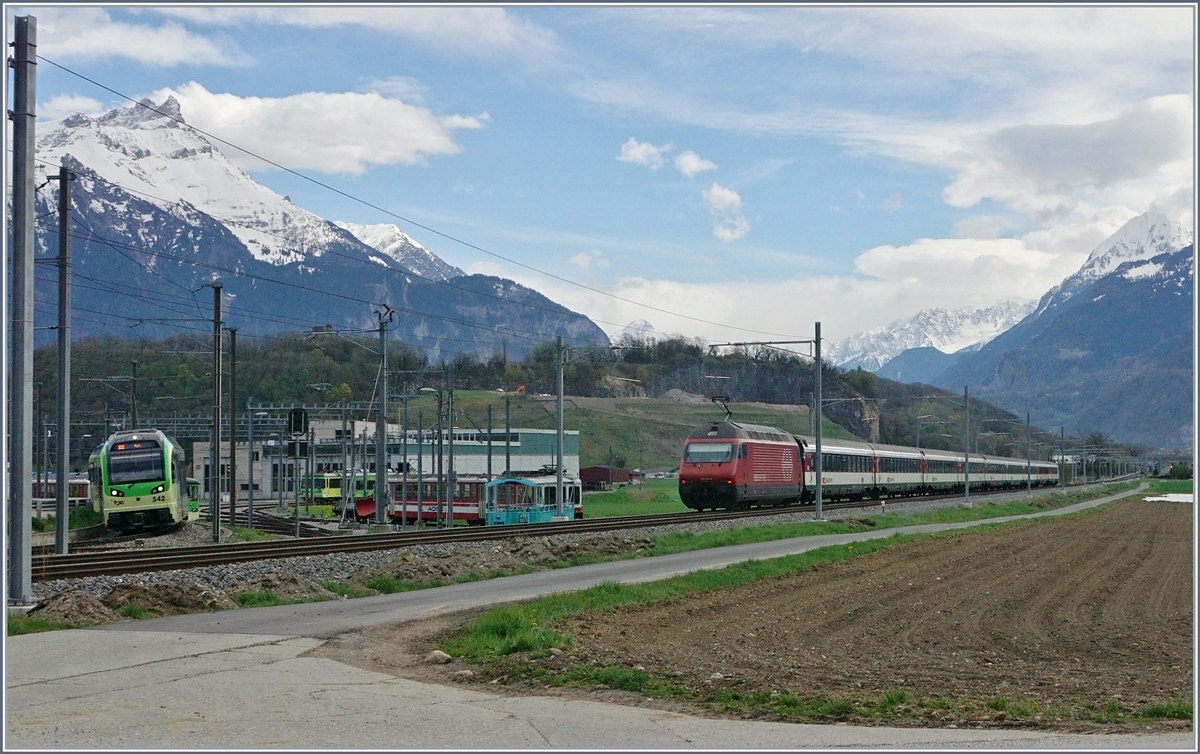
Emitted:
<point x="345" y="566"/>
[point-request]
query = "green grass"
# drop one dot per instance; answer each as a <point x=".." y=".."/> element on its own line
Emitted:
<point x="23" y="624"/>
<point x="657" y="496"/>
<point x="268" y="599"/>
<point x="349" y="591"/>
<point x="1178" y="709"/>
<point x="246" y="534"/>
<point x="137" y="612"/>
<point x="79" y="518"/>
<point x="1170" y="486"/>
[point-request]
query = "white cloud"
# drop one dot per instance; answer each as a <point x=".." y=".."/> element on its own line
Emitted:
<point x="479" y="32"/>
<point x="725" y="206"/>
<point x="585" y="260"/>
<point x="63" y="105"/>
<point x="890" y="282"/>
<point x="91" y="34"/>
<point x="341" y="132"/>
<point x="690" y="164"/>
<point x="719" y="199"/>
<point x="1049" y="171"/>
<point x="401" y="87"/>
<point x="644" y="154"/>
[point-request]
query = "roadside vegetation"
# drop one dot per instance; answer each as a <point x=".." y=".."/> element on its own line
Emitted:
<point x="676" y="542"/>
<point x="79" y="518"/>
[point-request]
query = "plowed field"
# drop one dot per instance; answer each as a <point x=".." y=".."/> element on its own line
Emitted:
<point x="1049" y="623"/>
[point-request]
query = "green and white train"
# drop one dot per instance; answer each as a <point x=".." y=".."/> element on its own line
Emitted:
<point x="139" y="481"/>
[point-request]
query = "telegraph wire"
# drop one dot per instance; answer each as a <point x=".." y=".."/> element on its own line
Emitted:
<point x="403" y="219"/>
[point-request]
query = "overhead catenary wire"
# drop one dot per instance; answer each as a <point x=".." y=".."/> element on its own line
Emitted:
<point x="399" y="217"/>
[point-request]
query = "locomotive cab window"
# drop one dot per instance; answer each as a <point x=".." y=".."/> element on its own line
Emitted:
<point x="709" y="452"/>
<point x="136" y="467"/>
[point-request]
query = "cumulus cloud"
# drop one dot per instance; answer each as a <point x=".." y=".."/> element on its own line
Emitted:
<point x="690" y="164"/>
<point x="341" y="132"/>
<point x="891" y="282"/>
<point x="1052" y="170"/>
<point x="644" y="154"/>
<point x="91" y="34"/>
<point x="725" y="206"/>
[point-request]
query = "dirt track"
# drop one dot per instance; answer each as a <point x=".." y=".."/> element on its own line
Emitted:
<point x="1065" y="616"/>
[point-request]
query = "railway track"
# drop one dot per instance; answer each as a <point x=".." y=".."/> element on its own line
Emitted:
<point x="118" y="562"/>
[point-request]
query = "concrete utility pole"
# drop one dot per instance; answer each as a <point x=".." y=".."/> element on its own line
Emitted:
<point x="62" y="506"/>
<point x="20" y="386"/>
<point x="214" y="500"/>
<point x="966" y="446"/>
<point x="560" y="356"/>
<point x="820" y="465"/>
<point x="404" y="467"/>
<point x="133" y="398"/>
<point x="381" y="474"/>
<point x="233" y="482"/>
<point x="507" y="434"/>
<point x="347" y="493"/>
<point x="250" y="462"/>
<point x="451" y="477"/>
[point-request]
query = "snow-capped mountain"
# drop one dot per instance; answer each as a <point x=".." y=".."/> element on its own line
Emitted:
<point x="399" y="246"/>
<point x="949" y="331"/>
<point x="145" y="149"/>
<point x="160" y="212"/>
<point x="639" y="331"/>
<point x="1108" y="349"/>
<point x="1143" y="237"/>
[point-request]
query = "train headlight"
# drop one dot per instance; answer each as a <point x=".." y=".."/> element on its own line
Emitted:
<point x="116" y="493"/>
<point x="158" y="489"/>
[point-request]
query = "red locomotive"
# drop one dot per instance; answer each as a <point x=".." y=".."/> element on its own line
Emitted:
<point x="735" y="465"/>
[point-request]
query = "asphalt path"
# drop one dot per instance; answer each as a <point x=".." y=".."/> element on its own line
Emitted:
<point x="244" y="679"/>
<point x="323" y="620"/>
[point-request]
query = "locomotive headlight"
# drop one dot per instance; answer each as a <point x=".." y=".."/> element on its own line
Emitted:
<point x="158" y="489"/>
<point x="116" y="493"/>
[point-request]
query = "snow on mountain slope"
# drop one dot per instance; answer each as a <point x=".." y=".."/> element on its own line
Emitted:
<point x="400" y="247"/>
<point x="1143" y="237"/>
<point x="152" y="154"/>
<point x="947" y="331"/>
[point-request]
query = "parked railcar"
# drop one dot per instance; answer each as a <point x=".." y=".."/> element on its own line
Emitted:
<point x="470" y="497"/>
<point x="139" y="481"/>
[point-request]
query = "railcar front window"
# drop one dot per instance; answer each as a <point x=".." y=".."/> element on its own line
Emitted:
<point x="143" y="467"/>
<point x="709" y="452"/>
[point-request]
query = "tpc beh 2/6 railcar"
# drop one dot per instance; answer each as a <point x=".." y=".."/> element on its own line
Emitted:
<point x="139" y="481"/>
<point x="730" y="464"/>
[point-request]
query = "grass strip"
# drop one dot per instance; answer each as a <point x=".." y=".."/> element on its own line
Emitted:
<point x="22" y="624"/>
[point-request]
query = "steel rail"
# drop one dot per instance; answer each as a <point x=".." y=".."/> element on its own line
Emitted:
<point x="142" y="560"/>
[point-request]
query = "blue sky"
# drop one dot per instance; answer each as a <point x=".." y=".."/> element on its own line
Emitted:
<point x="758" y="167"/>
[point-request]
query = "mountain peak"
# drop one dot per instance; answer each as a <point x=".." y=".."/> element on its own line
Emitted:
<point x="948" y="331"/>
<point x="399" y="246"/>
<point x="146" y="114"/>
<point x="1141" y="238"/>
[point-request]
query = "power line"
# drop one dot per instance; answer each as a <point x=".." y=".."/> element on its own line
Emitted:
<point x="401" y="218"/>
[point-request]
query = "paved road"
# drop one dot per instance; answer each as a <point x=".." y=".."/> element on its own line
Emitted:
<point x="240" y="679"/>
<point x="328" y="619"/>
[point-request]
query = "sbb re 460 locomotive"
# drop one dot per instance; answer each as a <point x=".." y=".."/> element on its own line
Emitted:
<point x="729" y="464"/>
